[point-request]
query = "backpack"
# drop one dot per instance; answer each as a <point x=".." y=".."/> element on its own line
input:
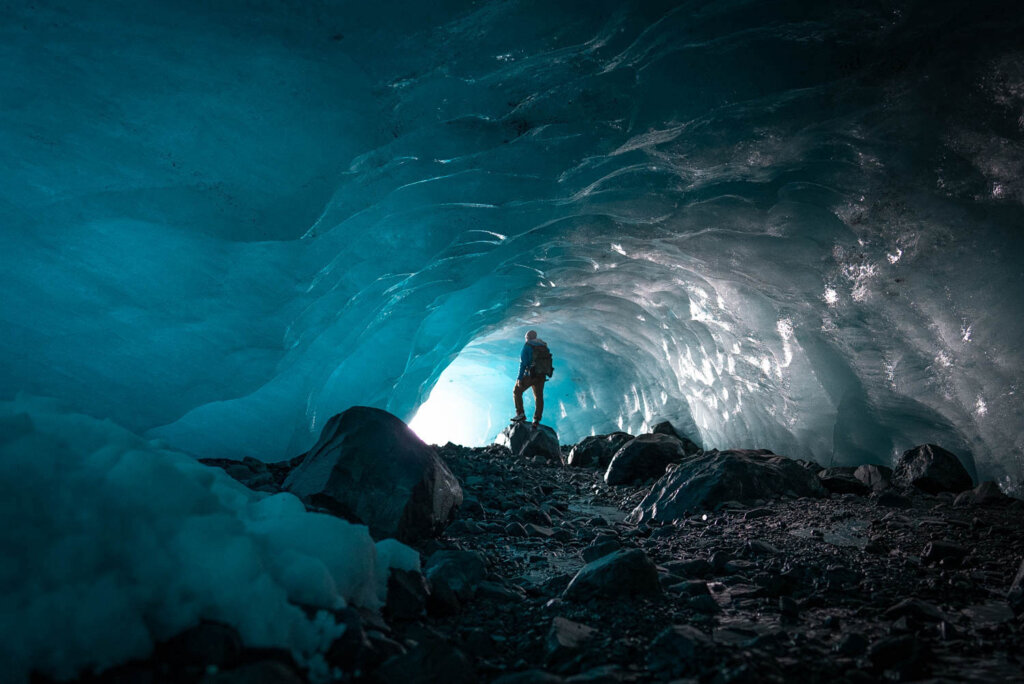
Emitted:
<point x="541" y="366"/>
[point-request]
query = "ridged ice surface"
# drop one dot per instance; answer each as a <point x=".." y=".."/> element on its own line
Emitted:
<point x="779" y="224"/>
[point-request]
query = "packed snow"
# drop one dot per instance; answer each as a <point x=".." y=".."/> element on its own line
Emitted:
<point x="113" y="542"/>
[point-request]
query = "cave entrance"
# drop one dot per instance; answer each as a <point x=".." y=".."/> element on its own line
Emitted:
<point x="471" y="401"/>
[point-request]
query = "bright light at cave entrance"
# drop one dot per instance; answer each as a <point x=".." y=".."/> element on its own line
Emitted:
<point x="470" y="403"/>
<point x="449" y="415"/>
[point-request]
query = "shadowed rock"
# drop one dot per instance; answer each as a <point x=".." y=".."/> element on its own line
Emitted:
<point x="702" y="482"/>
<point x="985" y="494"/>
<point x="457" y="571"/>
<point x="667" y="428"/>
<point x="841" y="480"/>
<point x="597" y="451"/>
<point x="874" y="476"/>
<point x="623" y="573"/>
<point x="368" y="466"/>
<point x="679" y="650"/>
<point x="527" y="441"/>
<point x="644" y="457"/>
<point x="932" y="469"/>
<point x="566" y="639"/>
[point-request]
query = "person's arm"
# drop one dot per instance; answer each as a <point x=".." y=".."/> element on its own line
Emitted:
<point x="525" y="359"/>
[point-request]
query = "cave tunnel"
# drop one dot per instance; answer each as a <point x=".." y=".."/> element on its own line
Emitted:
<point x="779" y="225"/>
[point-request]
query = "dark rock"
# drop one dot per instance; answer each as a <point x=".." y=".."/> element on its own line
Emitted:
<point x="350" y="651"/>
<point x="597" y="451"/>
<point x="527" y="441"/>
<point x="758" y="547"/>
<point x="263" y="672"/>
<point x="893" y="500"/>
<point x="601" y="547"/>
<point x="841" y="480"/>
<point x="902" y="653"/>
<point x="627" y="572"/>
<point x="985" y="494"/>
<point x="853" y="645"/>
<point x="876" y="477"/>
<point x="459" y="571"/>
<point x="538" y="531"/>
<point x="932" y="469"/>
<point x="369" y="466"/>
<point x="755" y="513"/>
<point x="1016" y="593"/>
<point x="515" y="530"/>
<point x="381" y="648"/>
<point x="529" y="677"/>
<point x="603" y="674"/>
<point x="431" y="660"/>
<point x="916" y="609"/>
<point x="407" y="595"/>
<point x="679" y="650"/>
<point x="463" y="528"/>
<point x="703" y="603"/>
<point x="471" y="508"/>
<point x="479" y="643"/>
<point x="499" y="592"/>
<point x="566" y="639"/>
<point x="697" y="568"/>
<point x="937" y="551"/>
<point x="690" y="588"/>
<point x="719" y="559"/>
<point x="789" y="608"/>
<point x="704" y="481"/>
<point x="532" y="514"/>
<point x="666" y="428"/>
<point x="209" y="643"/>
<point x="642" y="458"/>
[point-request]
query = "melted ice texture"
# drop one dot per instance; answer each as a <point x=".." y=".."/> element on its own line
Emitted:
<point x="782" y="225"/>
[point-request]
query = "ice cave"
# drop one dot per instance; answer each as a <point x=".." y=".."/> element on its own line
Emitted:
<point x="778" y="225"/>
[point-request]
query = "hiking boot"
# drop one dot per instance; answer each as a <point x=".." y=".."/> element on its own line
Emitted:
<point x="518" y="418"/>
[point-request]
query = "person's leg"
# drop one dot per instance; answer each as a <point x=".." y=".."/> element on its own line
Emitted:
<point x="538" y="395"/>
<point x="517" y="397"/>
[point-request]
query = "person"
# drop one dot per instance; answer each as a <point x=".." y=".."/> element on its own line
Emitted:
<point x="530" y="376"/>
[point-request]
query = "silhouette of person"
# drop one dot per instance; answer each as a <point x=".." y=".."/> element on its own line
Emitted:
<point x="528" y="377"/>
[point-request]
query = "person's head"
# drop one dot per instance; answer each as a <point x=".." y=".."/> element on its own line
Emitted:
<point x="531" y="335"/>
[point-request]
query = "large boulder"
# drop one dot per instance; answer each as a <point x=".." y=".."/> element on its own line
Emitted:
<point x="644" y="457"/>
<point x="932" y="469"/>
<point x="371" y="468"/>
<point x="877" y="477"/>
<point x="703" y="482"/>
<point x="597" y="451"/>
<point x="841" y="480"/>
<point x="526" y="440"/>
<point x="628" y="572"/>
<point x="667" y="428"/>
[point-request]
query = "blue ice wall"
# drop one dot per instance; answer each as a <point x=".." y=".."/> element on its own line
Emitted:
<point x="782" y="224"/>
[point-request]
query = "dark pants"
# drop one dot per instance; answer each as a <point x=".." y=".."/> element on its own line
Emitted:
<point x="538" y="394"/>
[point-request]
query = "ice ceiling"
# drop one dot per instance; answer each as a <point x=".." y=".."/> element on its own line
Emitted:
<point x="780" y="224"/>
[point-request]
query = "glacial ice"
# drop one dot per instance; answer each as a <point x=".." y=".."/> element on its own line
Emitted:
<point x="112" y="543"/>
<point x="777" y="225"/>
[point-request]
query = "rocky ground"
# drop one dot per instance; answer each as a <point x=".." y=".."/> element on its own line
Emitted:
<point x="540" y="578"/>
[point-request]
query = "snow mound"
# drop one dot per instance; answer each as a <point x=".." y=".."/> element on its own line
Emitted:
<point x="120" y="543"/>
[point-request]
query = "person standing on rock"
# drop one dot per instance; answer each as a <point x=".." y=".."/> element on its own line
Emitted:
<point x="534" y="370"/>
